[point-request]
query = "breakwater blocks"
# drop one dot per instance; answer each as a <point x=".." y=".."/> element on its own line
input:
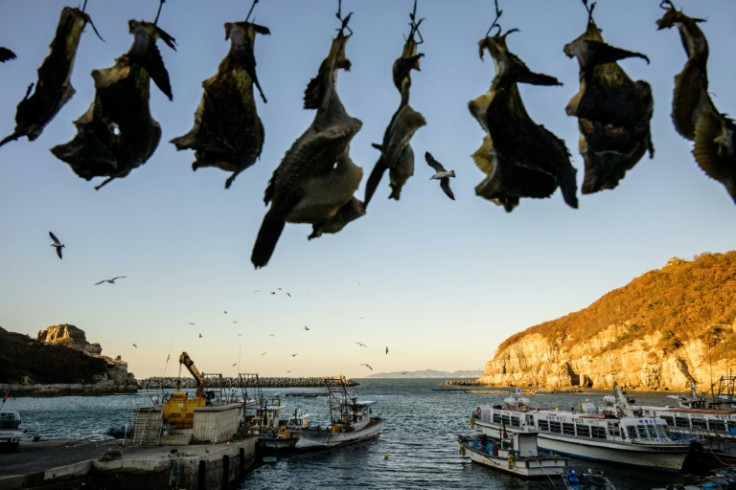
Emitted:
<point x="265" y="382"/>
<point x="67" y="464"/>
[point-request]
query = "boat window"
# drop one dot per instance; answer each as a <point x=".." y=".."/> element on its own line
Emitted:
<point x="583" y="430"/>
<point x="497" y="418"/>
<point x="543" y="425"/>
<point x="662" y="432"/>
<point x="668" y="419"/>
<point x="699" y="424"/>
<point x="732" y="427"/>
<point x="530" y="420"/>
<point x="568" y="429"/>
<point x="717" y="425"/>
<point x="515" y="421"/>
<point x="505" y="418"/>
<point x="652" y="431"/>
<point x="555" y="427"/>
<point x="598" y="432"/>
<point x="682" y="422"/>
<point x="632" y="431"/>
<point x="642" y="430"/>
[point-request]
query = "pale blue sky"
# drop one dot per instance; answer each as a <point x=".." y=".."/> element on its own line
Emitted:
<point x="441" y="283"/>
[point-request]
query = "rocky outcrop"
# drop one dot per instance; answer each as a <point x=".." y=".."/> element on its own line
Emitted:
<point x="68" y="336"/>
<point x="666" y="330"/>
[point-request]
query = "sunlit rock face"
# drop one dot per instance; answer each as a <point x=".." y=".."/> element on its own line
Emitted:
<point x="666" y="330"/>
<point x="68" y="336"/>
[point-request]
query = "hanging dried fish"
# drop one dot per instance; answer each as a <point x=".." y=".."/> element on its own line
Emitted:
<point x="315" y="181"/>
<point x="613" y="111"/>
<point x="53" y="88"/>
<point x="397" y="155"/>
<point x="693" y="113"/>
<point x="227" y="132"/>
<point x="117" y="133"/>
<point x="520" y="158"/>
<point x="6" y="54"/>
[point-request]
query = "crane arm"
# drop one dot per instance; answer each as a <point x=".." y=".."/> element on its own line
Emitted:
<point x="187" y="361"/>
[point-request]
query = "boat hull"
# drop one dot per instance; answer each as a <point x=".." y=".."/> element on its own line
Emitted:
<point x="667" y="458"/>
<point x="521" y="467"/>
<point x="274" y="445"/>
<point x="316" y="438"/>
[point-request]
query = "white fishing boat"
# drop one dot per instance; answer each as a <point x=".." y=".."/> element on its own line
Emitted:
<point x="275" y="436"/>
<point x="516" y="454"/>
<point x="350" y="420"/>
<point x="637" y="441"/>
<point x="10" y="430"/>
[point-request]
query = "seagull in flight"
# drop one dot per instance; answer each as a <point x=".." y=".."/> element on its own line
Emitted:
<point x="200" y="336"/>
<point x="440" y="174"/>
<point x="57" y="244"/>
<point x="191" y="323"/>
<point x="293" y="355"/>
<point x="368" y="366"/>
<point x="135" y="346"/>
<point x="263" y="353"/>
<point x="386" y="349"/>
<point x="361" y="344"/>
<point x="111" y="281"/>
<point x="306" y="327"/>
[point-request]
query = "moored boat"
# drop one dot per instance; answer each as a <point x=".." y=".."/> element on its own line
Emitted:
<point x="636" y="441"/>
<point x="351" y="420"/>
<point x="10" y="430"/>
<point x="516" y="454"/>
<point x="587" y="480"/>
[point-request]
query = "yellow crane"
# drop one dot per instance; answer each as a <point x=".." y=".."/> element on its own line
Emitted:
<point x="179" y="410"/>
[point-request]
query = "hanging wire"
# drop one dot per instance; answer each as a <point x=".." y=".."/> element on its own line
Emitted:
<point x="414" y="24"/>
<point x="344" y="21"/>
<point x="495" y="21"/>
<point x="251" y="10"/>
<point x="161" y="4"/>
<point x="84" y="6"/>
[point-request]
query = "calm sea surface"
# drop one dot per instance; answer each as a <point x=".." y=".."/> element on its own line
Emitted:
<point x="418" y="448"/>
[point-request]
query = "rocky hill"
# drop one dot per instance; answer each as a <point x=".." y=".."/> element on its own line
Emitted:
<point x="664" y="330"/>
<point x="59" y="361"/>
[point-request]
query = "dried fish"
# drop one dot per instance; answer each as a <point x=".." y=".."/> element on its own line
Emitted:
<point x="53" y="88"/>
<point x="117" y="133"/>
<point x="693" y="112"/>
<point x="519" y="157"/>
<point x="397" y="155"/>
<point x="613" y="111"/>
<point x="227" y="132"/>
<point x="315" y="181"/>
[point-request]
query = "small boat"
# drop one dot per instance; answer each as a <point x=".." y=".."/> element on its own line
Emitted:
<point x="587" y="480"/>
<point x="279" y="436"/>
<point x="122" y="432"/>
<point x="351" y="420"/>
<point x="10" y="430"/>
<point x="516" y="454"/>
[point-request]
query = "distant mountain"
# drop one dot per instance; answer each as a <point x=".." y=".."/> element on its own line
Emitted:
<point x="429" y="373"/>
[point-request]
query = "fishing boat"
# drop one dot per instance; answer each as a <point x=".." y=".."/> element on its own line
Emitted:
<point x="637" y="441"/>
<point x="122" y="432"/>
<point x="10" y="430"/>
<point x="351" y="420"/>
<point x="279" y="436"/>
<point x="516" y="454"/>
<point x="587" y="480"/>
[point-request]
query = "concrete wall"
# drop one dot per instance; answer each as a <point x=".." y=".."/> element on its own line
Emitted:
<point x="147" y="426"/>
<point x="216" y="423"/>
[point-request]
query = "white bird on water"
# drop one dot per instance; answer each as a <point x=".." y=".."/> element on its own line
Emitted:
<point x="440" y="174"/>
<point x="57" y="244"/>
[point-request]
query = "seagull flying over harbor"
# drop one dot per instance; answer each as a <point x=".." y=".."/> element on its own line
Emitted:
<point x="135" y="346"/>
<point x="306" y="327"/>
<point x="191" y="323"/>
<point x="440" y="174"/>
<point x="293" y="355"/>
<point x="263" y="353"/>
<point x="386" y="349"/>
<point x="57" y="244"/>
<point x="361" y="344"/>
<point x="111" y="281"/>
<point x="200" y="336"/>
<point x="368" y="366"/>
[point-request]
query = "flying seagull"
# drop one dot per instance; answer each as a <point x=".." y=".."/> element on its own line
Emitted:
<point x="200" y="336"/>
<point x="306" y="327"/>
<point x="111" y="281"/>
<point x="293" y="355"/>
<point x="386" y="349"/>
<point x="368" y="366"/>
<point x="57" y="244"/>
<point x="191" y="323"/>
<point x="440" y="174"/>
<point x="263" y="353"/>
<point x="360" y="344"/>
<point x="135" y="346"/>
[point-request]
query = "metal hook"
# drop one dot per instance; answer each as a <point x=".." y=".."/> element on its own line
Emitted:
<point x="495" y="21"/>
<point x="251" y="10"/>
<point x="589" y="10"/>
<point x="344" y="21"/>
<point x="663" y="5"/>
<point x="155" y="21"/>
<point x="414" y="25"/>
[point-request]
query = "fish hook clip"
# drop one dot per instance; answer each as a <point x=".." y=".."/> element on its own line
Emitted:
<point x="89" y="19"/>
<point x="344" y="21"/>
<point x="247" y="17"/>
<point x="497" y="25"/>
<point x="414" y="25"/>
<point x="666" y="5"/>
<point x="589" y="10"/>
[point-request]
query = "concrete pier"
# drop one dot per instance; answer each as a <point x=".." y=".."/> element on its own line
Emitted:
<point x="66" y="464"/>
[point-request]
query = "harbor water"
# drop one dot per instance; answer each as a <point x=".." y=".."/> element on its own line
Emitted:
<point x="418" y="448"/>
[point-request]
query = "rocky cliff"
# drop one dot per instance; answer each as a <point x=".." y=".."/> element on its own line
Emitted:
<point x="59" y="361"/>
<point x="665" y="330"/>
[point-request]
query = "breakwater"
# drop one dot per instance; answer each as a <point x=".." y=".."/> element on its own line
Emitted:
<point x="67" y="389"/>
<point x="172" y="382"/>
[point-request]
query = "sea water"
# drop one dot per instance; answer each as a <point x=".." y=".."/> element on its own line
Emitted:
<point x="418" y="449"/>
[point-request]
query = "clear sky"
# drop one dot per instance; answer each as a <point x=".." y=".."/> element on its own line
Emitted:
<point x="441" y="283"/>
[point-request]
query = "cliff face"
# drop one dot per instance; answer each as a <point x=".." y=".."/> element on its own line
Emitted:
<point x="665" y="330"/>
<point x="68" y="336"/>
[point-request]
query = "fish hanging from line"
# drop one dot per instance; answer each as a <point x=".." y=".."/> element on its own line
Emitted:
<point x="694" y="114"/>
<point x="118" y="133"/>
<point x="613" y="111"/>
<point x="519" y="157"/>
<point x="397" y="155"/>
<point x="53" y="89"/>
<point x="316" y="179"/>
<point x="227" y="132"/>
